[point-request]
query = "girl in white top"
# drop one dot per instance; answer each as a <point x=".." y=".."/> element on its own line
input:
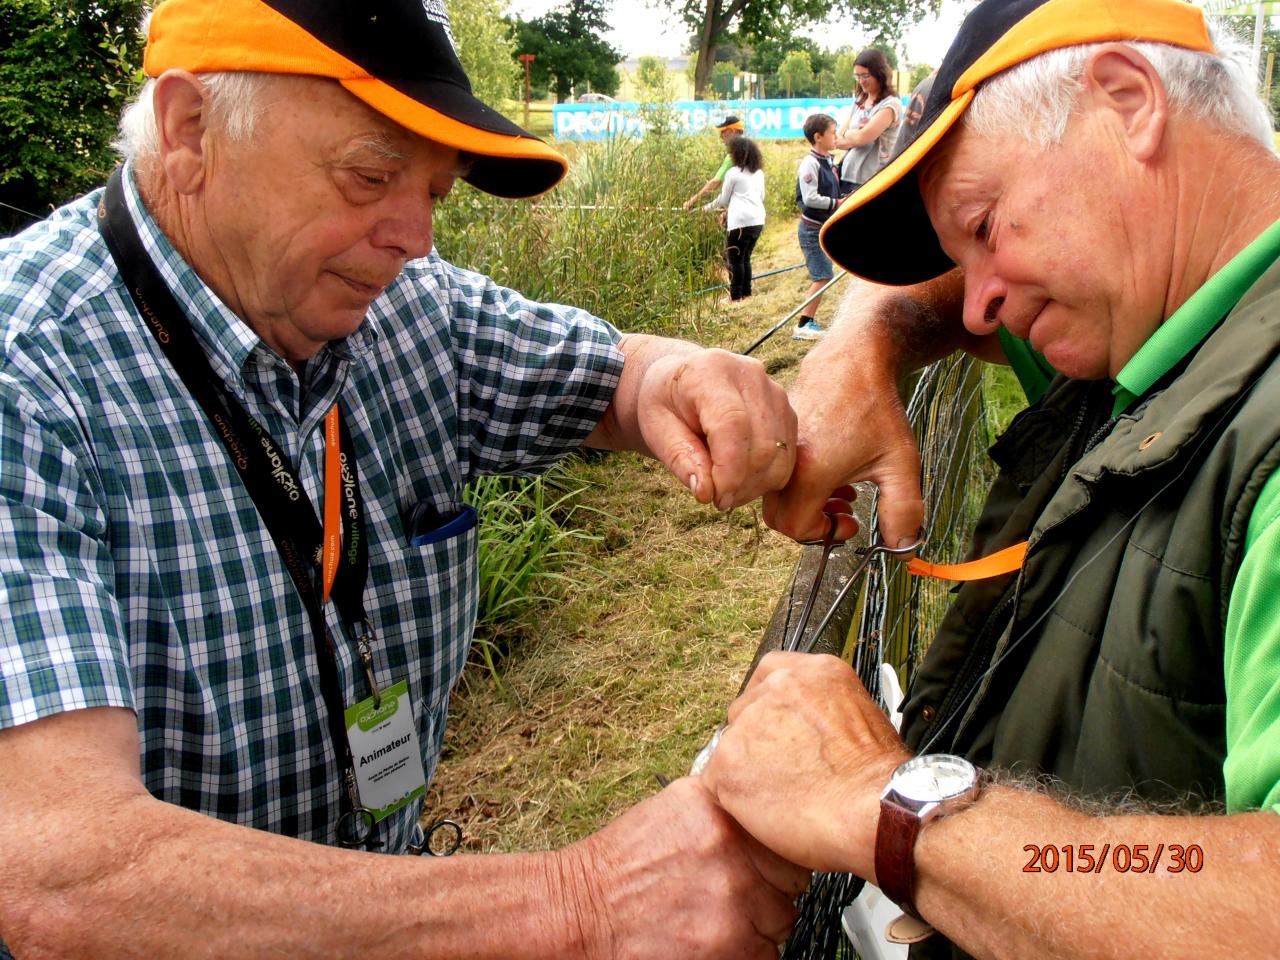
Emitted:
<point x="743" y="188"/>
<point x="871" y="129"/>
<point x="743" y="193"/>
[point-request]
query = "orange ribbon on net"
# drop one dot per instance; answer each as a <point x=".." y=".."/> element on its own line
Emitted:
<point x="1002" y="561"/>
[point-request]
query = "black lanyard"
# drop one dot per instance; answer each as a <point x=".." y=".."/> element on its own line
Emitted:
<point x="265" y="471"/>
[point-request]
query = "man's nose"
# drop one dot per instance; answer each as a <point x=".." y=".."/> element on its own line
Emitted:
<point x="407" y="226"/>
<point x="984" y="295"/>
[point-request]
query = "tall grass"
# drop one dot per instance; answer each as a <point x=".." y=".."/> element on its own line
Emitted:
<point x="528" y="542"/>
<point x="611" y="238"/>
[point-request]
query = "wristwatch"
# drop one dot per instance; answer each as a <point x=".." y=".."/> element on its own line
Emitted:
<point x="920" y="790"/>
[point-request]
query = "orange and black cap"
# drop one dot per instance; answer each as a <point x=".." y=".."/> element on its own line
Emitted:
<point x="396" y="55"/>
<point x="997" y="35"/>
<point x="730" y="123"/>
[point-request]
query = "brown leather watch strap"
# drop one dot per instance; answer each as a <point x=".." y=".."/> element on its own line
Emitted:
<point x="896" y="855"/>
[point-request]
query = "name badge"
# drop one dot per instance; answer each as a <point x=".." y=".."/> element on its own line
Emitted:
<point x="384" y="747"/>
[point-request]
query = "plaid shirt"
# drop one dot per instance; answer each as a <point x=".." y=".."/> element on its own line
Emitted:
<point x="134" y="568"/>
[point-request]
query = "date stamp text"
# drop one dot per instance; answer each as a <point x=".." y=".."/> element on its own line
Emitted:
<point x="1117" y="857"/>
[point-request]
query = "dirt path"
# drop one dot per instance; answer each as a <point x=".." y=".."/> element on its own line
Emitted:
<point x="631" y="673"/>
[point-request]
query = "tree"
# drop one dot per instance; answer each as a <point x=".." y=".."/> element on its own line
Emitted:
<point x="653" y="82"/>
<point x="796" y="72"/>
<point x="884" y="20"/>
<point x="569" y="49"/>
<point x="837" y="80"/>
<point x="486" y="48"/>
<point x="723" y="75"/>
<point x="66" y="71"/>
<point x="916" y="77"/>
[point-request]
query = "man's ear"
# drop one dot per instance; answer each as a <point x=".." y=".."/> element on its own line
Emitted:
<point x="182" y="114"/>
<point x="1120" y="79"/>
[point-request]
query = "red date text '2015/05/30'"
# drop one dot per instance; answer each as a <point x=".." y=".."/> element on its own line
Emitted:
<point x="1116" y="857"/>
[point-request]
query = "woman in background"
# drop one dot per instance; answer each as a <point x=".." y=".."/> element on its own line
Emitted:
<point x="743" y="193"/>
<point x="869" y="131"/>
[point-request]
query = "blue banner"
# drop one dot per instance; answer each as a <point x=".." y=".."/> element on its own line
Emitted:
<point x="764" y="119"/>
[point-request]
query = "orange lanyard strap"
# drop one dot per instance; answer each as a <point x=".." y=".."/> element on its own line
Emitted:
<point x="332" y="500"/>
<point x="1003" y="561"/>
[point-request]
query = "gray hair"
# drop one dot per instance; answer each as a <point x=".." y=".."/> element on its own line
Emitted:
<point x="235" y="106"/>
<point x="1035" y="99"/>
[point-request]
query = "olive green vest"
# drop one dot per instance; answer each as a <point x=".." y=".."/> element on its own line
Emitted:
<point x="1108" y="643"/>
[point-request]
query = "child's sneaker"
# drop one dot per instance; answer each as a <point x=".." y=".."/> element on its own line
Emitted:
<point x="809" y="330"/>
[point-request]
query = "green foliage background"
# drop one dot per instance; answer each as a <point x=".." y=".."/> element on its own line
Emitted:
<point x="570" y="50"/>
<point x="486" y="48"/>
<point x="66" y="70"/>
<point x="610" y="239"/>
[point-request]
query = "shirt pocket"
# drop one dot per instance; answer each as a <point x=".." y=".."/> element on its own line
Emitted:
<point x="428" y="599"/>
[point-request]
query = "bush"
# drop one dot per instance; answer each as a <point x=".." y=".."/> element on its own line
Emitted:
<point x="66" y="70"/>
<point x="527" y="542"/>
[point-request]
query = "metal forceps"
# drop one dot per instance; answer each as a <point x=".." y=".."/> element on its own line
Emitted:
<point x="797" y="642"/>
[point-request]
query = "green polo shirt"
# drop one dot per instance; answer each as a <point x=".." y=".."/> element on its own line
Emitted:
<point x="725" y="164"/>
<point x="1252" y="640"/>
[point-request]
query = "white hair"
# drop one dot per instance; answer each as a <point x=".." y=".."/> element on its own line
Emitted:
<point x="1036" y="98"/>
<point x="235" y="105"/>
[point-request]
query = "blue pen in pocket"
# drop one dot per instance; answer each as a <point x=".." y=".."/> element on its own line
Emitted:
<point x="428" y="525"/>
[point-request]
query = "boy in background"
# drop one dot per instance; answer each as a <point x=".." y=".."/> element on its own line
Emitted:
<point x="818" y="194"/>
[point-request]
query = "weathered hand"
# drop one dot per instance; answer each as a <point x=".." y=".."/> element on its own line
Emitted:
<point x="832" y="453"/>
<point x="803" y="760"/>
<point x="717" y="418"/>
<point x="852" y="427"/>
<point x="675" y="877"/>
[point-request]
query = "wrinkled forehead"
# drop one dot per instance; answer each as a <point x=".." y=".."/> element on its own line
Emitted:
<point x="351" y="127"/>
<point x="935" y="170"/>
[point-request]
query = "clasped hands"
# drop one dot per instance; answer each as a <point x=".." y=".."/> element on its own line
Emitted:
<point x="806" y="752"/>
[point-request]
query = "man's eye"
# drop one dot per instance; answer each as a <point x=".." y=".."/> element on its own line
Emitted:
<point x="372" y="178"/>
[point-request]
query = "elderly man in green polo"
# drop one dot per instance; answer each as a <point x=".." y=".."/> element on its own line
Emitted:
<point x="1104" y="176"/>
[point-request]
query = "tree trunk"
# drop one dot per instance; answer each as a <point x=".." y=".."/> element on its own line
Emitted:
<point x="706" y="47"/>
<point x="715" y="22"/>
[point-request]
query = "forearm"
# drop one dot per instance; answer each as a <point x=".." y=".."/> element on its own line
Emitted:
<point x="703" y="191"/>
<point x="810" y="197"/>
<point x="905" y="327"/>
<point x="95" y="866"/>
<point x="880" y="335"/>
<point x="975" y="881"/>
<point x="151" y="879"/>
<point x="619" y="429"/>
<point x="847" y="139"/>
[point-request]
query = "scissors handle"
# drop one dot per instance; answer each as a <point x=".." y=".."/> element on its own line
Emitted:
<point x="441" y="839"/>
<point x="828" y="544"/>
<point x="854" y="578"/>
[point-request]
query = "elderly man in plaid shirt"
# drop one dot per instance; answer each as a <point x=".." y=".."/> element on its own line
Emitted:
<point x="242" y="397"/>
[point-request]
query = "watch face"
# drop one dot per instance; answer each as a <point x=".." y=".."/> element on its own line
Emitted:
<point x="933" y="778"/>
